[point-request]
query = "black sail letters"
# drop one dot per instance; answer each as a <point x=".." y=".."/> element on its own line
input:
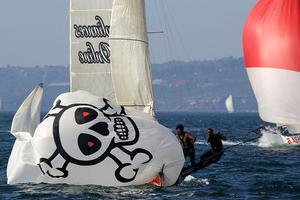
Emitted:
<point x="93" y="55"/>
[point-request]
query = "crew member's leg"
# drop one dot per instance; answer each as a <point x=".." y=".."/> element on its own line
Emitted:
<point x="192" y="158"/>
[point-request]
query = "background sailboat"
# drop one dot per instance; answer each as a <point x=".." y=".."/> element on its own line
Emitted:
<point x="1" y="104"/>
<point x="271" y="49"/>
<point x="229" y="104"/>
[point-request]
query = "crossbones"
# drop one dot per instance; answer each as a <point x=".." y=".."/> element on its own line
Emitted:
<point x="86" y="135"/>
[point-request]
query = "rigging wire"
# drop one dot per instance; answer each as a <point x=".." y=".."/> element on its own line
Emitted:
<point x="170" y="46"/>
<point x="179" y="36"/>
<point x="174" y="49"/>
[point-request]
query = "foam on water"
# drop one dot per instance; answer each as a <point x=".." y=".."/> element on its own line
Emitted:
<point x="189" y="178"/>
<point x="270" y="139"/>
<point x="204" y="181"/>
<point x="229" y="143"/>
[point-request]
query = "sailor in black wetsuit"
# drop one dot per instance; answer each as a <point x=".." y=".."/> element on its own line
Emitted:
<point x="208" y="157"/>
<point x="215" y="141"/>
<point x="187" y="141"/>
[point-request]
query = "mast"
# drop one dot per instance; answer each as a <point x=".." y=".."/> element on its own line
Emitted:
<point x="131" y="67"/>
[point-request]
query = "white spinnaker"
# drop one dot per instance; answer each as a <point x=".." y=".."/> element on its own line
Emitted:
<point x="277" y="94"/>
<point x="90" y="68"/>
<point x="131" y="70"/>
<point x="229" y="104"/>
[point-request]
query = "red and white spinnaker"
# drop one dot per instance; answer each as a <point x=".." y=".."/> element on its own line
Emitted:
<point x="271" y="43"/>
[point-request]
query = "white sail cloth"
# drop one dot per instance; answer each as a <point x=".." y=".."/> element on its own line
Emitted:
<point x="27" y="118"/>
<point x="117" y="69"/>
<point x="90" y="67"/>
<point x="277" y="97"/>
<point x="229" y="104"/>
<point x="131" y="71"/>
<point x="85" y="139"/>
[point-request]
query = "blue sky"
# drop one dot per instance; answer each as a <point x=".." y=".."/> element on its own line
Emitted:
<point x="35" y="32"/>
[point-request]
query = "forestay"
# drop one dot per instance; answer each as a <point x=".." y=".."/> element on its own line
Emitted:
<point x="90" y="53"/>
<point x="131" y="71"/>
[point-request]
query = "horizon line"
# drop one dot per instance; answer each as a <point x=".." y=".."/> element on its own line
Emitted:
<point x="170" y="61"/>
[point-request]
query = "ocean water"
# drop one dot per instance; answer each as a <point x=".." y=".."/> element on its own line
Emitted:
<point x="246" y="171"/>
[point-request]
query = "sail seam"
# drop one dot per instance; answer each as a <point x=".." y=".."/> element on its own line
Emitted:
<point x="136" y="105"/>
<point x="91" y="10"/>
<point x="76" y="73"/>
<point x="129" y="39"/>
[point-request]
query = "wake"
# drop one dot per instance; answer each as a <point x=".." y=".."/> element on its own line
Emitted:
<point x="230" y="143"/>
<point x="269" y="139"/>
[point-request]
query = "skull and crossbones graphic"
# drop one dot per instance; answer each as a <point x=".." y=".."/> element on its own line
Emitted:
<point x="86" y="135"/>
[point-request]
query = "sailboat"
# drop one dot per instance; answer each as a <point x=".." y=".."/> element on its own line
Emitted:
<point x="1" y="104"/>
<point x="229" y="104"/>
<point x="103" y="132"/>
<point x="271" y="49"/>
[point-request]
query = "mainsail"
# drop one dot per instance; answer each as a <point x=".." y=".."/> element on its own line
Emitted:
<point x="229" y="104"/>
<point x="90" y="67"/>
<point x="109" y="51"/>
<point x="131" y="71"/>
<point x="272" y="51"/>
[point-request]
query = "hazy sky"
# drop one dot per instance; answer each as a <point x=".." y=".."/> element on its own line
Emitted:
<point x="35" y="32"/>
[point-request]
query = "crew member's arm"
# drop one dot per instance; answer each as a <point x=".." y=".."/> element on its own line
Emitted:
<point x="179" y="140"/>
<point x="191" y="137"/>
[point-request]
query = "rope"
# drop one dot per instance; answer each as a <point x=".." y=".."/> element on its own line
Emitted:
<point x="243" y="142"/>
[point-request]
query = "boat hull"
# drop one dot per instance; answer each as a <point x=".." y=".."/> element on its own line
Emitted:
<point x="291" y="140"/>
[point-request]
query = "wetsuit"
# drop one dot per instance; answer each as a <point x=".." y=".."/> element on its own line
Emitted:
<point x="188" y="147"/>
<point x="216" y="144"/>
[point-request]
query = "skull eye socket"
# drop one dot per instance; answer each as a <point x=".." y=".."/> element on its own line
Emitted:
<point x="88" y="144"/>
<point x="85" y="115"/>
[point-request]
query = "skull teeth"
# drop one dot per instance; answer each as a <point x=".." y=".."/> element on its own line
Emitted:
<point x="121" y="129"/>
